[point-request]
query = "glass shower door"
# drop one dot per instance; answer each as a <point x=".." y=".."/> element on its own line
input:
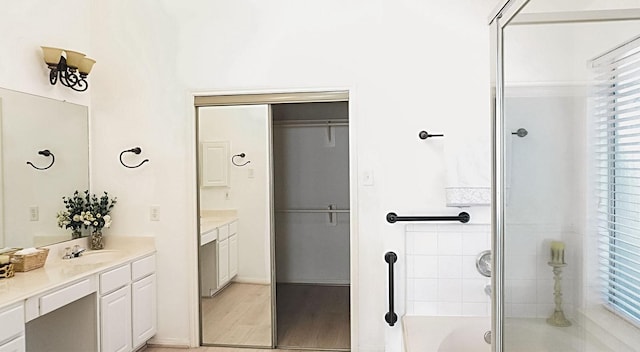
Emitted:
<point x="561" y="173"/>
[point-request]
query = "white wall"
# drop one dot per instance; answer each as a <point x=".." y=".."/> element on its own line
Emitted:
<point x="402" y="61"/>
<point x="27" y="25"/>
<point x="246" y="128"/>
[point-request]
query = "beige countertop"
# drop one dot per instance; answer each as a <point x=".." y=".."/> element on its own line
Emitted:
<point x="57" y="272"/>
<point x="212" y="219"/>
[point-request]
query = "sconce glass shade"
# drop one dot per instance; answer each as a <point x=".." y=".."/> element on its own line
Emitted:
<point x="86" y="64"/>
<point x="74" y="58"/>
<point x="51" y="55"/>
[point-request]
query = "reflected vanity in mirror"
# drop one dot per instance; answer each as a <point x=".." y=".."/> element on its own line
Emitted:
<point x="45" y="156"/>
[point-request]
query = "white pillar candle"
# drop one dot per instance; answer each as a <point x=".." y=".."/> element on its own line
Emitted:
<point x="557" y="252"/>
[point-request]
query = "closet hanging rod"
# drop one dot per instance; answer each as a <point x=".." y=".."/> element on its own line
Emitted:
<point x="321" y="211"/>
<point x="312" y="123"/>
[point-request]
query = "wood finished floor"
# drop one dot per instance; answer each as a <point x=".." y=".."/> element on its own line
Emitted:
<point x="239" y="315"/>
<point x="313" y="316"/>
<point x="214" y="349"/>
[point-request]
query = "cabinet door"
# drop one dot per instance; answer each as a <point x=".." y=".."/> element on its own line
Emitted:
<point x="15" y="345"/>
<point x="115" y="321"/>
<point x="233" y="256"/>
<point x="144" y="309"/>
<point x="223" y="262"/>
<point x="214" y="169"/>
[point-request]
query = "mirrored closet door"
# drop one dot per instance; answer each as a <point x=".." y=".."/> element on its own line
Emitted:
<point x="235" y="225"/>
<point x="274" y="220"/>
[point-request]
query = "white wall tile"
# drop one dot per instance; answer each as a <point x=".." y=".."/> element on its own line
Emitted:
<point x="473" y="290"/>
<point x="425" y="308"/>
<point x="425" y="289"/>
<point x="524" y="310"/>
<point x="449" y="243"/>
<point x="523" y="267"/>
<point x="450" y="290"/>
<point x="474" y="243"/>
<point x="425" y="266"/>
<point x="476" y="309"/>
<point x="469" y="270"/>
<point x="523" y="291"/>
<point x="450" y="267"/>
<point x="425" y="243"/>
<point x="450" y="308"/>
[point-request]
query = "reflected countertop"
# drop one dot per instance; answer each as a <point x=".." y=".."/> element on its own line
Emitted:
<point x="58" y="272"/>
<point x="212" y="219"/>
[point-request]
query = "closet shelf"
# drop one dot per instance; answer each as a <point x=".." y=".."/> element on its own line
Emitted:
<point x="312" y="211"/>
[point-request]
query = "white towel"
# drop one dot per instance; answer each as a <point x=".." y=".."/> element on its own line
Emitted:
<point x="468" y="170"/>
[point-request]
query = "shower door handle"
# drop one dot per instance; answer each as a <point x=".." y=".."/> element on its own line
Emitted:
<point x="391" y="317"/>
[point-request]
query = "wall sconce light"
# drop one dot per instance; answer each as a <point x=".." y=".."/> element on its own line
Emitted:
<point x="64" y="68"/>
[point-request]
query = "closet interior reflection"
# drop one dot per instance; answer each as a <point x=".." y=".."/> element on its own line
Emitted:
<point x="274" y="221"/>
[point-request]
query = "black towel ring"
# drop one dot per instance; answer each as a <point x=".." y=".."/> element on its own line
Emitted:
<point x="44" y="152"/>
<point x="241" y="155"/>
<point x="136" y="151"/>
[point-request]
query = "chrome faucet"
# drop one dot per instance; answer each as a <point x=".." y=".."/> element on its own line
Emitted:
<point x="73" y="253"/>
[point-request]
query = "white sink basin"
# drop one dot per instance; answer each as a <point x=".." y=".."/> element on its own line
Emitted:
<point x="97" y="257"/>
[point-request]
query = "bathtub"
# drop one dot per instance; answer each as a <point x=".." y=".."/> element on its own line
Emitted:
<point x="466" y="334"/>
<point x="445" y="334"/>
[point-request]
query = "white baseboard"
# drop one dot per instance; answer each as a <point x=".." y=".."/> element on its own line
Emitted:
<point x="251" y="280"/>
<point x="169" y="342"/>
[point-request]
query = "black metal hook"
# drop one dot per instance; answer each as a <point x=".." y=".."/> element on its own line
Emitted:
<point x="425" y="135"/>
<point x="242" y="155"/>
<point x="521" y="132"/>
<point x="44" y="152"/>
<point x="136" y="151"/>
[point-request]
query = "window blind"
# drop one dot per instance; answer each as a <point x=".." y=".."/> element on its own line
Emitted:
<point x="617" y="160"/>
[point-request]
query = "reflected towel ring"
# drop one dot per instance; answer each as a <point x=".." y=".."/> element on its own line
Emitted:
<point x="44" y="152"/>
<point x="241" y="155"/>
<point x="136" y="151"/>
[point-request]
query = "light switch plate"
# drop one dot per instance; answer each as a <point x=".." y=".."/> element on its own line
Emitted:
<point x="154" y="214"/>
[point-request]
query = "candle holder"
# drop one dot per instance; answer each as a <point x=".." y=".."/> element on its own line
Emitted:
<point x="557" y="318"/>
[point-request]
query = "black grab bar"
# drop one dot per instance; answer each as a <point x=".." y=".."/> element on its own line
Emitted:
<point x="391" y="317"/>
<point x="463" y="217"/>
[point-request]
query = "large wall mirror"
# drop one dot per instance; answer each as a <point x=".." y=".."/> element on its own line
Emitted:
<point x="45" y="156"/>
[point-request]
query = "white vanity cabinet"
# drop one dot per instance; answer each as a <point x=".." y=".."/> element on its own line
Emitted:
<point x="115" y="309"/>
<point x="144" y="298"/>
<point x="233" y="249"/>
<point x="12" y="329"/>
<point x="128" y="305"/>
<point x="227" y="253"/>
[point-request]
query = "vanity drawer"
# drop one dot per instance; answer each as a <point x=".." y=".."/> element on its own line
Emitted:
<point x="223" y="232"/>
<point x="208" y="236"/>
<point x="143" y="267"/>
<point x="114" y="279"/>
<point x="12" y="323"/>
<point x="64" y="296"/>
<point x="233" y="228"/>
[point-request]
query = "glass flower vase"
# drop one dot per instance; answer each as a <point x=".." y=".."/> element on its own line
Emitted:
<point x="96" y="241"/>
<point x="76" y="233"/>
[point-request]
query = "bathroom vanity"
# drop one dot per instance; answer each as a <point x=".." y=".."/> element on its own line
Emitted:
<point x="218" y="250"/>
<point x="102" y="301"/>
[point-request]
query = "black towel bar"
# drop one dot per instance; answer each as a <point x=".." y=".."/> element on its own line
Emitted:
<point x="463" y="217"/>
<point x="391" y="317"/>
